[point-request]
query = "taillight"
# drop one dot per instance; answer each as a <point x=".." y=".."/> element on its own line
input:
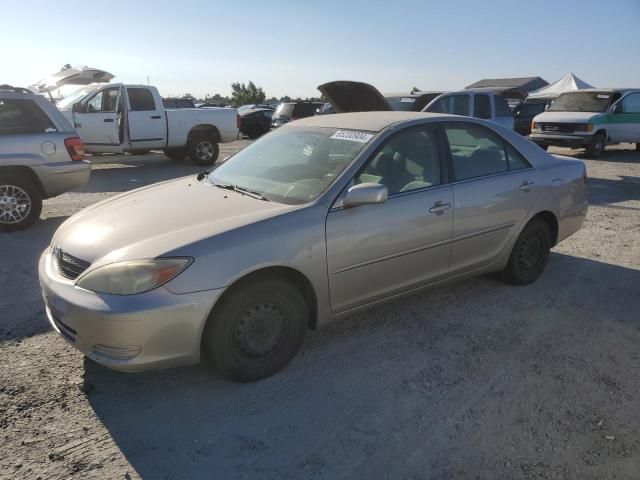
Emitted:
<point x="237" y="121"/>
<point x="75" y="148"/>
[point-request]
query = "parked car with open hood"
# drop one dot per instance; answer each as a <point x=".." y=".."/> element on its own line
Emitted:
<point x="119" y="118"/>
<point x="591" y="119"/>
<point x="484" y="103"/>
<point x="41" y="156"/>
<point x="320" y="219"/>
<point x="348" y="96"/>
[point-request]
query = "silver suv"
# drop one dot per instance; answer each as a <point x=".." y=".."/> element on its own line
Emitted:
<point x="41" y="156"/>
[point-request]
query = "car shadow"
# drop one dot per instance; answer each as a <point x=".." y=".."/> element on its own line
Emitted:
<point x="618" y="154"/>
<point x="21" y="307"/>
<point x="365" y="393"/>
<point x="606" y="192"/>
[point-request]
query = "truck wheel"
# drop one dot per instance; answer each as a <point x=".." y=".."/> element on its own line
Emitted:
<point x="20" y="203"/>
<point x="637" y="147"/>
<point x="597" y="145"/>
<point x="176" y="154"/>
<point x="203" y="150"/>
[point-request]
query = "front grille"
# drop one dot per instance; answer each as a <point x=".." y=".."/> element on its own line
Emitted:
<point x="69" y="266"/>
<point x="557" y="127"/>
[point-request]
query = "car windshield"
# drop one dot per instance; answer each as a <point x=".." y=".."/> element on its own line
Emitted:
<point x="405" y="104"/>
<point x="74" y="97"/>
<point x="581" y="102"/>
<point x="292" y="165"/>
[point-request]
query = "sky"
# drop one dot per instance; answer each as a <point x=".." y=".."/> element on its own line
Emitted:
<point x="290" y="47"/>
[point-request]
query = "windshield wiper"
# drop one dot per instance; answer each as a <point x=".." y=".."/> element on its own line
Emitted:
<point x="242" y="190"/>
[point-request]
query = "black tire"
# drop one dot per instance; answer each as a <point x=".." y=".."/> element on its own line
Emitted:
<point x="203" y="149"/>
<point x="597" y="145"/>
<point x="255" y="132"/>
<point x="177" y="154"/>
<point x="544" y="147"/>
<point x="529" y="255"/>
<point x="637" y="147"/>
<point x="257" y="329"/>
<point x="20" y="202"/>
<point x="139" y="152"/>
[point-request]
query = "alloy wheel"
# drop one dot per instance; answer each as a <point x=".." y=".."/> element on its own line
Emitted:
<point x="15" y="204"/>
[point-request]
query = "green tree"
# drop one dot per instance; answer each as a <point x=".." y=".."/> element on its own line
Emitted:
<point x="242" y="94"/>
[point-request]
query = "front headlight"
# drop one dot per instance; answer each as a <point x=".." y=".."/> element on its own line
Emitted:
<point x="133" y="276"/>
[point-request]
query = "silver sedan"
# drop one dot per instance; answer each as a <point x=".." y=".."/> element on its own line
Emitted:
<point x="324" y="217"/>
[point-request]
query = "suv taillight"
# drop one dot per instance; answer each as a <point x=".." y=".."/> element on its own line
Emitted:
<point x="237" y="121"/>
<point x="75" y="148"/>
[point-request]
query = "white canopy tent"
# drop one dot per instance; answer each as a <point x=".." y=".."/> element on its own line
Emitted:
<point x="568" y="83"/>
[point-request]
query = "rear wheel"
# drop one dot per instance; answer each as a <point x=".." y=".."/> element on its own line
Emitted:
<point x="176" y="154"/>
<point x="20" y="203"/>
<point x="203" y="150"/>
<point x="529" y="255"/>
<point x="257" y="330"/>
<point x="597" y="145"/>
<point x="637" y="147"/>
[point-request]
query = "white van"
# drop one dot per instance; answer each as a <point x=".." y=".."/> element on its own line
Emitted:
<point x="591" y="119"/>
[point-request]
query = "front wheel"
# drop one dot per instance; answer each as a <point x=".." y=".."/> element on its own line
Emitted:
<point x="257" y="330"/>
<point x="20" y="203"/>
<point x="203" y="150"/>
<point x="597" y="145"/>
<point x="529" y="255"/>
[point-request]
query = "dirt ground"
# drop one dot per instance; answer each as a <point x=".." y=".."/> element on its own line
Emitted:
<point x="477" y="380"/>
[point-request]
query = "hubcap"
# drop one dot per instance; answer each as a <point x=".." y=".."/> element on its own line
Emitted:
<point x="204" y="150"/>
<point x="260" y="330"/>
<point x="15" y="204"/>
<point x="530" y="252"/>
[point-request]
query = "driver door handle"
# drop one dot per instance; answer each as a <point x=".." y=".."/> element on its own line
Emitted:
<point x="440" y="207"/>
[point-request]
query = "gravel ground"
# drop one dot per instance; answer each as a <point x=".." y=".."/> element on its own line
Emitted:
<point x="476" y="380"/>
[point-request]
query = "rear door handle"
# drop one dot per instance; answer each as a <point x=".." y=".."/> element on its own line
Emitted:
<point x="526" y="186"/>
<point x="108" y="120"/>
<point x="440" y="207"/>
<point x="156" y="117"/>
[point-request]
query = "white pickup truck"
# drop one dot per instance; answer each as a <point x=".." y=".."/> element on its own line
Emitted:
<point x="117" y="118"/>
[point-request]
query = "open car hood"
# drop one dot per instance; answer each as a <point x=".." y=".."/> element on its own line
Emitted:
<point x="347" y="96"/>
<point x="72" y="76"/>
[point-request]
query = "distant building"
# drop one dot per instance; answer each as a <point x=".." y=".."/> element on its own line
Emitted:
<point x="522" y="85"/>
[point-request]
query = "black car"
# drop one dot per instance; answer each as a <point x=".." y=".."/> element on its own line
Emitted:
<point x="288" y="111"/>
<point x="523" y="114"/>
<point x="255" y="122"/>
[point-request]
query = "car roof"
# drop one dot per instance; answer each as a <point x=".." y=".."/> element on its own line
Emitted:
<point x="370" y="121"/>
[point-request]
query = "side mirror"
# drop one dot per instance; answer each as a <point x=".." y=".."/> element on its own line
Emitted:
<point x="76" y="107"/>
<point x="365" y="194"/>
<point x="617" y="108"/>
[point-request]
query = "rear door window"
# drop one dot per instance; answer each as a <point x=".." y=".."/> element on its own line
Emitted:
<point x="476" y="151"/>
<point x="19" y="116"/>
<point x="453" y="104"/>
<point x="141" y="99"/>
<point x="502" y="107"/>
<point x="481" y="106"/>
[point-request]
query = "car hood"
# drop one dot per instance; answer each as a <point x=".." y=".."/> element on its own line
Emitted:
<point x="568" y="117"/>
<point x="72" y="76"/>
<point x="152" y="221"/>
<point x="347" y="96"/>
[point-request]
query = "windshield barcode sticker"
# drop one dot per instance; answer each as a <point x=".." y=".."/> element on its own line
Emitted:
<point x="352" y="136"/>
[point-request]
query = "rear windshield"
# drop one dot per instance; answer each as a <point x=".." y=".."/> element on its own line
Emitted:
<point x="284" y="110"/>
<point x="581" y="102"/>
<point x="403" y="104"/>
<point x="19" y="117"/>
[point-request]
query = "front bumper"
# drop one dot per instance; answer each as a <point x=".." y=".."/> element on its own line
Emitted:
<point x="156" y="329"/>
<point x="570" y="141"/>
